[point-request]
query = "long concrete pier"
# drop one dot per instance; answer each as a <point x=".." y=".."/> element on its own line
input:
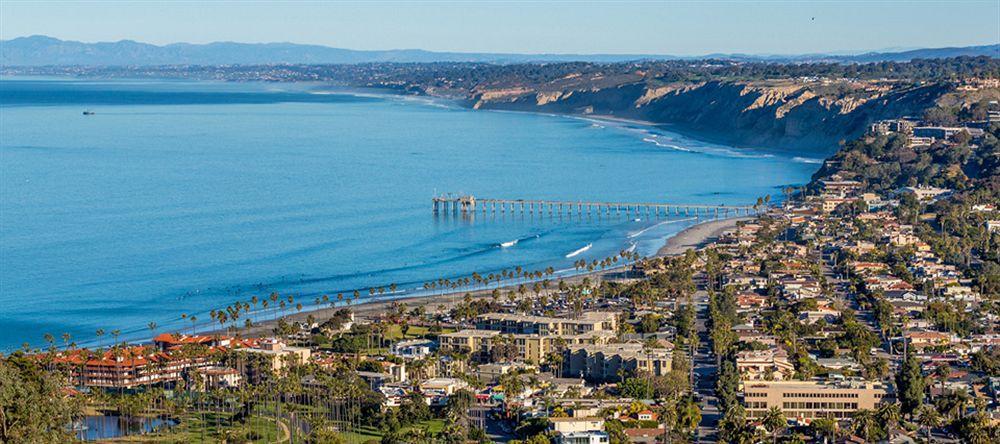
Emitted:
<point x="468" y="204"/>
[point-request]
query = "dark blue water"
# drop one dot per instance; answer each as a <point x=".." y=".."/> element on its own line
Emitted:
<point x="94" y="428"/>
<point x="182" y="197"/>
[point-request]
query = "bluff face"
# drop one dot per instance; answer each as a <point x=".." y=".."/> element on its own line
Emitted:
<point x="801" y="116"/>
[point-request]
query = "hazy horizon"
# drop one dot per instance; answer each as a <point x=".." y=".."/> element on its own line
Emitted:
<point x="758" y="54"/>
<point x="669" y="28"/>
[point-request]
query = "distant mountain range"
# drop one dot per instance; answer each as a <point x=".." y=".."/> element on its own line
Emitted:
<point x="43" y="50"/>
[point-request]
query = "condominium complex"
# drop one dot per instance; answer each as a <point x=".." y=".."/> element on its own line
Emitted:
<point x="530" y="347"/>
<point x="540" y="325"/>
<point x="127" y="367"/>
<point x="607" y="362"/>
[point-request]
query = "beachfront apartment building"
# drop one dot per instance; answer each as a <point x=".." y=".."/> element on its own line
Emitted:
<point x="477" y="343"/>
<point x="530" y="347"/>
<point x="127" y="367"/>
<point x="804" y="401"/>
<point x="587" y="322"/>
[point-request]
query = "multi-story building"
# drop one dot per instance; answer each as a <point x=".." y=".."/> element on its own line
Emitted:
<point x="806" y="400"/>
<point x="764" y="365"/>
<point x="607" y="362"/>
<point x="280" y="354"/>
<point x="541" y="325"/>
<point x="530" y="347"/>
<point x="477" y="343"/>
<point x="127" y="367"/>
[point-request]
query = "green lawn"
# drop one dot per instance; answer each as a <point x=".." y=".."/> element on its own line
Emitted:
<point x="395" y="332"/>
<point x="194" y="428"/>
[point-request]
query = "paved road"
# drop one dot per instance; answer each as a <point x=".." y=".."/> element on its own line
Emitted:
<point x="705" y="376"/>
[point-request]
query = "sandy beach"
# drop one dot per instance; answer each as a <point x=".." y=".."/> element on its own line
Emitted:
<point x="697" y="236"/>
<point x="693" y="237"/>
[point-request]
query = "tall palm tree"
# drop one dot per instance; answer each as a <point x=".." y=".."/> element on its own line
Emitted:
<point x="866" y="424"/>
<point x="775" y="422"/>
<point x="889" y="415"/>
<point x="928" y="418"/>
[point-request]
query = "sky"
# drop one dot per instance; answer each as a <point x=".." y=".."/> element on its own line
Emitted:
<point x="675" y="27"/>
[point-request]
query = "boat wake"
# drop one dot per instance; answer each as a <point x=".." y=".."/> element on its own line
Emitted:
<point x="581" y="250"/>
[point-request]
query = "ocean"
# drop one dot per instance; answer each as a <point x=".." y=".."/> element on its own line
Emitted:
<point x="179" y="197"/>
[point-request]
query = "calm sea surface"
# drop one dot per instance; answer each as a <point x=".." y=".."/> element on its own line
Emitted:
<point x="182" y="197"/>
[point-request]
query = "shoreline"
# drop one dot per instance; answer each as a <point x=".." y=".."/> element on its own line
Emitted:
<point x="693" y="237"/>
<point x="698" y="235"/>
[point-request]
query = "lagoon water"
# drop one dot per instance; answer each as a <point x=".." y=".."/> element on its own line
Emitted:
<point x="182" y="197"/>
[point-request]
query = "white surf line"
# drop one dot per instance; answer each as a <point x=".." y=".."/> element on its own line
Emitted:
<point x="585" y="248"/>
<point x="638" y="233"/>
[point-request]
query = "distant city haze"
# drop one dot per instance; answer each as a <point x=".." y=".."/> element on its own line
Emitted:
<point x="677" y="28"/>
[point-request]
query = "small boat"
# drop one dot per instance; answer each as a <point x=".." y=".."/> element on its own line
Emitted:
<point x="88" y="113"/>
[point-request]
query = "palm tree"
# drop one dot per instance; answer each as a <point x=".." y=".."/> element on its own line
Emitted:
<point x="889" y="415"/>
<point x="775" y="422"/>
<point x="954" y="403"/>
<point x="928" y="418"/>
<point x="865" y="424"/>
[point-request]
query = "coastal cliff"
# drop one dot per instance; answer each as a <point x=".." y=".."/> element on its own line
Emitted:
<point x="800" y="108"/>
<point x="811" y="117"/>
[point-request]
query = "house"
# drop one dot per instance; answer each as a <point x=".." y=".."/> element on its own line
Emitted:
<point x="840" y="188"/>
<point x="393" y="394"/>
<point x="885" y="127"/>
<point x="839" y="363"/>
<point x="764" y="365"/>
<point x="437" y="390"/>
<point x="280" y="354"/>
<point x="592" y="437"/>
<point x="945" y="132"/>
<point x="576" y="425"/>
<point x="374" y="379"/>
<point x="492" y="372"/>
<point x="924" y="193"/>
<point x="413" y="349"/>
<point x="748" y="301"/>
<point x="646" y="415"/>
<point x="217" y="377"/>
<point x="921" y="339"/>
<point x="825" y="313"/>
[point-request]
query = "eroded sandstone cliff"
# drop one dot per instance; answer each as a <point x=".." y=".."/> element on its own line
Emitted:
<point x="791" y="115"/>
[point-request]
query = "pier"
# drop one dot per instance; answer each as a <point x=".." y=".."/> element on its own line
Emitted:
<point x="468" y="204"/>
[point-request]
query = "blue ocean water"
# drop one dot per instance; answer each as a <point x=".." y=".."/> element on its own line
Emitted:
<point x="182" y="197"/>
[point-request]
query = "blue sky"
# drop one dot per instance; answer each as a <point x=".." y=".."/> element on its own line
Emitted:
<point x="681" y="28"/>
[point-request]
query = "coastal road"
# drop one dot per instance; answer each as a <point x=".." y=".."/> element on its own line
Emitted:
<point x="705" y="375"/>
